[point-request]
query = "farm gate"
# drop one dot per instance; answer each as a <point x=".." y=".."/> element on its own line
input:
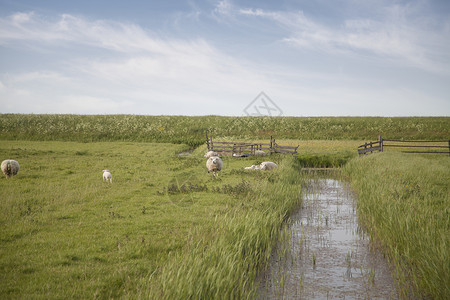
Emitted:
<point x="247" y="148"/>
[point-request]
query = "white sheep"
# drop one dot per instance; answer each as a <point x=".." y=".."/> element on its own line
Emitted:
<point x="265" y="166"/>
<point x="260" y="153"/>
<point x="107" y="176"/>
<point x="253" y="167"/>
<point x="268" y="165"/>
<point x="10" y="167"/>
<point x="210" y="154"/>
<point x="214" y="165"/>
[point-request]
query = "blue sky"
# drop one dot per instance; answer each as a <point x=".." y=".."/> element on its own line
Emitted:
<point x="310" y="57"/>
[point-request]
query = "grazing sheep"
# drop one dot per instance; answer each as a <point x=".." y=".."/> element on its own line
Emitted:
<point x="210" y="154"/>
<point x="10" y="167"/>
<point x="214" y="165"/>
<point x="107" y="176"/>
<point x="268" y="165"/>
<point x="260" y="153"/>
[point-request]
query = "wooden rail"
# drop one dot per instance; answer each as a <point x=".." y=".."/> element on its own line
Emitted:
<point x="421" y="146"/>
<point x="244" y="148"/>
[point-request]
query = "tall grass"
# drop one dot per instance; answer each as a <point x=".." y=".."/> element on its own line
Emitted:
<point x="403" y="200"/>
<point x="191" y="130"/>
<point x="224" y="264"/>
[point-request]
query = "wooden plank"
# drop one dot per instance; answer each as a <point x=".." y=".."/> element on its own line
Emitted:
<point x="241" y="143"/>
<point x="446" y="152"/>
<point x="372" y="149"/>
<point x="415" y="141"/>
<point x="369" y="144"/>
<point x="284" y="151"/>
<point x="414" y="146"/>
<point x="286" y="147"/>
<point x="233" y="143"/>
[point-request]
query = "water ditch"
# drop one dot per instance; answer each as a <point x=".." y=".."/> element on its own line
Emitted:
<point x="323" y="253"/>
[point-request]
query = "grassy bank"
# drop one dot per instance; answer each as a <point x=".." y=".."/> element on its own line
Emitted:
<point x="403" y="201"/>
<point x="162" y="228"/>
<point x="191" y="130"/>
<point x="224" y="265"/>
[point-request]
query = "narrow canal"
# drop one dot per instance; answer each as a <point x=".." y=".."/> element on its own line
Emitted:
<point x="324" y="254"/>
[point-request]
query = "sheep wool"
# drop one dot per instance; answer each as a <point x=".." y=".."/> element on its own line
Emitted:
<point x="10" y="167"/>
<point x="214" y="164"/>
<point x="107" y="176"/>
<point x="253" y="167"/>
<point x="268" y="165"/>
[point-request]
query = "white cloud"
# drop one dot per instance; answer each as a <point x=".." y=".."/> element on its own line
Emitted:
<point x="135" y="67"/>
<point x="224" y="8"/>
<point x="402" y="36"/>
<point x="123" y="68"/>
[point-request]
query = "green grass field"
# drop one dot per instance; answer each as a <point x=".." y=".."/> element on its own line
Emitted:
<point x="65" y="233"/>
<point x="165" y="229"/>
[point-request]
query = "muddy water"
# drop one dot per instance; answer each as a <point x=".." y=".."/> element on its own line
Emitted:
<point x="324" y="254"/>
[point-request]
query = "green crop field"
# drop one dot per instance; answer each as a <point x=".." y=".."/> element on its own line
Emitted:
<point x="165" y="229"/>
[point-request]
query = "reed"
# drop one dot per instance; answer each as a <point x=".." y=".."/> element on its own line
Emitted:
<point x="403" y="201"/>
<point x="191" y="130"/>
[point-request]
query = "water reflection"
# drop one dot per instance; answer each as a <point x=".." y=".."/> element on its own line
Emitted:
<point x="324" y="253"/>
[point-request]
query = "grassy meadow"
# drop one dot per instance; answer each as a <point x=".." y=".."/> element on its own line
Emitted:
<point x="165" y="230"/>
<point x="163" y="226"/>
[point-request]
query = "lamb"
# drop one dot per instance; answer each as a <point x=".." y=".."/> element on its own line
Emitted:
<point x="214" y="165"/>
<point x="10" y="167"/>
<point x="107" y="176"/>
<point x="210" y="154"/>
<point x="260" y="153"/>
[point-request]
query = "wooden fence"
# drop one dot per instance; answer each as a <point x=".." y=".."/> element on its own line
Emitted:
<point x="243" y="148"/>
<point x="415" y="146"/>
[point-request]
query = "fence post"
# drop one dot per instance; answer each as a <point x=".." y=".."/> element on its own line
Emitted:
<point x="448" y="147"/>
<point x="380" y="139"/>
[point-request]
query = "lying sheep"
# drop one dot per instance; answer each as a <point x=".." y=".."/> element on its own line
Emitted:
<point x="107" y="176"/>
<point x="268" y="165"/>
<point x="10" y="167"/>
<point x="265" y="166"/>
<point x="260" y="153"/>
<point x="210" y="154"/>
<point x="253" y="167"/>
<point x="214" y="165"/>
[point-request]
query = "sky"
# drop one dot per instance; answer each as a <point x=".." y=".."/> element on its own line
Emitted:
<point x="226" y="57"/>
